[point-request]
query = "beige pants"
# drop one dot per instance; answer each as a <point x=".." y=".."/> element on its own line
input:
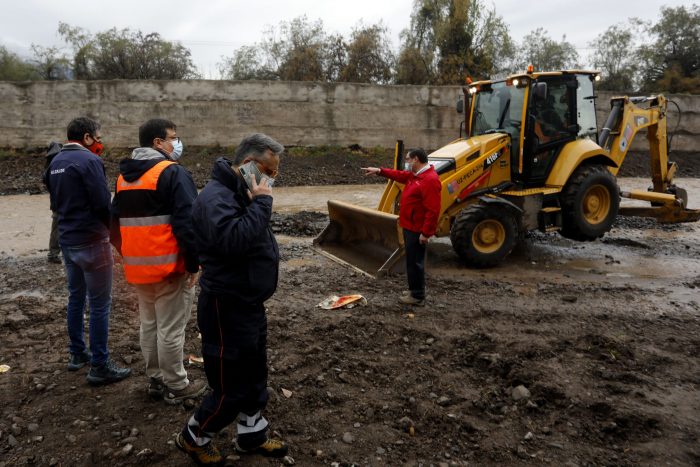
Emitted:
<point x="165" y="309"/>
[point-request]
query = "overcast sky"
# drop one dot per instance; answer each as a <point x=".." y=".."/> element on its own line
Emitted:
<point x="212" y="28"/>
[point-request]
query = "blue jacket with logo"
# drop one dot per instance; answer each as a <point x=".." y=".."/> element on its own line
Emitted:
<point x="79" y="195"/>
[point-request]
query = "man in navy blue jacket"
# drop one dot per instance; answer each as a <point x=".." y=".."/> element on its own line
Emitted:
<point x="79" y="195"/>
<point x="240" y="259"/>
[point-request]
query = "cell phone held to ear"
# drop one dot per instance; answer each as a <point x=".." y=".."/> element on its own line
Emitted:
<point x="250" y="170"/>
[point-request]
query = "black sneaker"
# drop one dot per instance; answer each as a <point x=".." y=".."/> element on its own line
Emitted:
<point x="77" y="361"/>
<point x="201" y="455"/>
<point x="270" y="448"/>
<point x="107" y="373"/>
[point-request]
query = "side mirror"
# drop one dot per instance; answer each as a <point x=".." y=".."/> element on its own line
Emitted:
<point x="460" y="106"/>
<point x="539" y="90"/>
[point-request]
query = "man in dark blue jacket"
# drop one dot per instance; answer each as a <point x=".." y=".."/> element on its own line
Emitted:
<point x="54" y="247"/>
<point x="240" y="260"/>
<point x="79" y="195"/>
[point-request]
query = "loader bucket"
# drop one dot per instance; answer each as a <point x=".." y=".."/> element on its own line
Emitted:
<point x="363" y="239"/>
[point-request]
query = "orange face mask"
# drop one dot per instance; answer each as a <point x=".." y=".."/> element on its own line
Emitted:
<point x="96" y="148"/>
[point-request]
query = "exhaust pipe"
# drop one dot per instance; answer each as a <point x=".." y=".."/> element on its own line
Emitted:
<point x="611" y="123"/>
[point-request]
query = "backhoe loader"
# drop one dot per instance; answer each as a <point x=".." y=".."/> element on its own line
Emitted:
<point x="531" y="159"/>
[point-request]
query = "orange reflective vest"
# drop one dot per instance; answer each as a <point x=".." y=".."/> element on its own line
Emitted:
<point x="149" y="248"/>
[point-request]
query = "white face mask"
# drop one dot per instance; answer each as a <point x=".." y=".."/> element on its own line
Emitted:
<point x="408" y="166"/>
<point x="177" y="149"/>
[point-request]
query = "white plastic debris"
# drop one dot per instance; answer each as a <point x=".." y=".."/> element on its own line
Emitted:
<point x="346" y="301"/>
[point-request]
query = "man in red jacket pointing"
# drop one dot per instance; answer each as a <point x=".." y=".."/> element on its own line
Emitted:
<point x="420" y="208"/>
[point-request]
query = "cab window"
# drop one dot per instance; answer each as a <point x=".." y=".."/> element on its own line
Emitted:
<point x="585" y="108"/>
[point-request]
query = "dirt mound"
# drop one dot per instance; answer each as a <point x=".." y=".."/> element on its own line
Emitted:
<point x="21" y="171"/>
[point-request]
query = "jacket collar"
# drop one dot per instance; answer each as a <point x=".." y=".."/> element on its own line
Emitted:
<point x="424" y="171"/>
<point x="223" y="173"/>
<point x="146" y="153"/>
<point x="75" y="147"/>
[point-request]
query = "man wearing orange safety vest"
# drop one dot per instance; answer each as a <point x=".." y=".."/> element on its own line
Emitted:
<point x="152" y="229"/>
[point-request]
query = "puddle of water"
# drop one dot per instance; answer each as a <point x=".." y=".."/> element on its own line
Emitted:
<point x="23" y="294"/>
<point x="301" y="262"/>
<point x="25" y="220"/>
<point x="315" y="198"/>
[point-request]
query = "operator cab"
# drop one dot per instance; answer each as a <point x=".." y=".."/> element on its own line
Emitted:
<point x="541" y="112"/>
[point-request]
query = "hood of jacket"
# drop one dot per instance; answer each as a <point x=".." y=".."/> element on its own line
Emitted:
<point x="141" y="161"/>
<point x="223" y="173"/>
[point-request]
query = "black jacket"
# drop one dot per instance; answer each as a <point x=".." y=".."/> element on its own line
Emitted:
<point x="237" y="250"/>
<point x="174" y="195"/>
<point x="52" y="151"/>
<point x="79" y="195"/>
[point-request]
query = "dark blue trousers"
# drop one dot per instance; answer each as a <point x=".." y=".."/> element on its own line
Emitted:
<point x="415" y="263"/>
<point x="234" y="347"/>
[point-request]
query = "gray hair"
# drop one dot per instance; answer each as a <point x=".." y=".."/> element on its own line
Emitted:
<point x="255" y="146"/>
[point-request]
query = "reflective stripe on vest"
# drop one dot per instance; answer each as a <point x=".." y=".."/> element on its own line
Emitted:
<point x="143" y="221"/>
<point x="149" y="248"/>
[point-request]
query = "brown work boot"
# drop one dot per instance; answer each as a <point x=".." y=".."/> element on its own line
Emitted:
<point x="201" y="455"/>
<point x="272" y="447"/>
<point x="411" y="300"/>
<point x="191" y="391"/>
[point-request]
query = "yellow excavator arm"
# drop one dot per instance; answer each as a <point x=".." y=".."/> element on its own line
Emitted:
<point x="626" y="119"/>
<point x="631" y="119"/>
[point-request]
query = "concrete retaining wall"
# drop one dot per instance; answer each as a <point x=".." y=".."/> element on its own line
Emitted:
<point x="295" y="113"/>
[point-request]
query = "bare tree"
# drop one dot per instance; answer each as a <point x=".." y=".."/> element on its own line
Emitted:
<point x="50" y="63"/>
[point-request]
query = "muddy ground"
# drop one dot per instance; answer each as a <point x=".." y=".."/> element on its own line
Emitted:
<point x="568" y="354"/>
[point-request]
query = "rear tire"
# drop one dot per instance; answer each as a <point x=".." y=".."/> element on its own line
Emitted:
<point x="484" y="234"/>
<point x="590" y="202"/>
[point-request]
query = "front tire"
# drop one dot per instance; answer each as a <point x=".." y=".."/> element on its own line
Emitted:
<point x="484" y="234"/>
<point x="590" y="202"/>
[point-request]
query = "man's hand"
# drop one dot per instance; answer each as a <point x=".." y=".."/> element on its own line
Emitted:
<point x="192" y="279"/>
<point x="423" y="239"/>
<point x="370" y="170"/>
<point x="259" y="190"/>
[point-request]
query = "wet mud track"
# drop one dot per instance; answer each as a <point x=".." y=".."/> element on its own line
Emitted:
<point x="568" y="354"/>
